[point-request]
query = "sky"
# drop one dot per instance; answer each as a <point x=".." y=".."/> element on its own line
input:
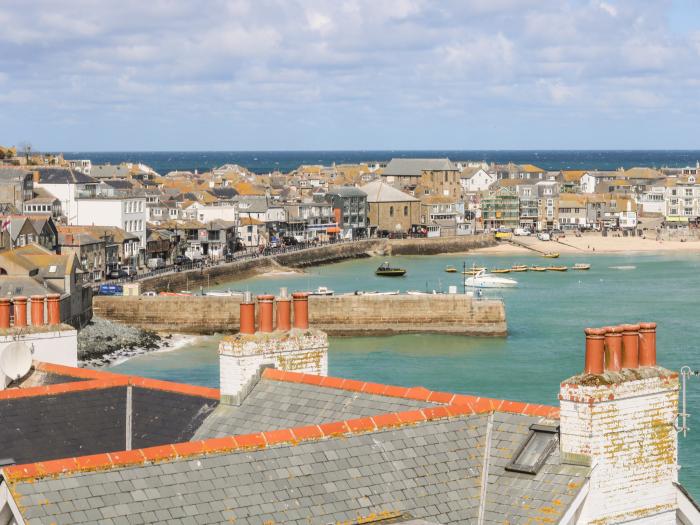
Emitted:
<point x="86" y="75"/>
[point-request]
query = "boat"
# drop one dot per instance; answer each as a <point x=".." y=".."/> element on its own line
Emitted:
<point x="450" y="269"/>
<point x="581" y="266"/>
<point x="501" y="270"/>
<point x="223" y="293"/>
<point x="474" y="271"/>
<point x="551" y="255"/>
<point x="321" y="290"/>
<point x="387" y="271"/>
<point x="519" y="268"/>
<point x="557" y="268"/>
<point x="417" y="292"/>
<point x="538" y="269"/>
<point x="485" y="280"/>
<point x="362" y="292"/>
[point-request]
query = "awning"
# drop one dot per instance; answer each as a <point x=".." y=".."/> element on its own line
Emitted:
<point x="676" y="219"/>
<point x="333" y="229"/>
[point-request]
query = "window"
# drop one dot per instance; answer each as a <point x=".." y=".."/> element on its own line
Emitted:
<point x="391" y="211"/>
<point x="535" y="450"/>
<point x="405" y="211"/>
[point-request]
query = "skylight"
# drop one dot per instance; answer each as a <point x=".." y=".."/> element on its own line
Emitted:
<point x="535" y="450"/>
<point x="52" y="268"/>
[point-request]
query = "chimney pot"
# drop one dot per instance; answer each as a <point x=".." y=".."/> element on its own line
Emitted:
<point x="301" y="310"/>
<point x="630" y="346"/>
<point x="613" y="348"/>
<point x="647" y="344"/>
<point x="265" y="306"/>
<point x="595" y="350"/>
<point x="247" y="315"/>
<point x="4" y="313"/>
<point x="54" y="308"/>
<point x="20" y="311"/>
<point x="37" y="309"/>
<point x="284" y="311"/>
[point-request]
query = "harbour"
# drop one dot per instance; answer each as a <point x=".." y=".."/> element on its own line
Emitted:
<point x="546" y="314"/>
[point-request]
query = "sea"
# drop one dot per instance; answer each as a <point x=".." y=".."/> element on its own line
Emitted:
<point x="285" y="161"/>
<point x="546" y="313"/>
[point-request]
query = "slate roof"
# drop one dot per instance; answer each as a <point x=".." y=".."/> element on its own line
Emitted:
<point x="346" y="191"/>
<point x="109" y="171"/>
<point x="277" y="404"/>
<point x="63" y="176"/>
<point x="415" y="167"/>
<point x="378" y="191"/>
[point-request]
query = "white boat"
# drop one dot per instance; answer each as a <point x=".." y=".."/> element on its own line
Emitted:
<point x="321" y="290"/>
<point x="223" y="293"/>
<point x="417" y="292"/>
<point x="361" y="292"/>
<point x="486" y="280"/>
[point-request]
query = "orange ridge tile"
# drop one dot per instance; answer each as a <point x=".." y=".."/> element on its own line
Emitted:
<point x="364" y="424"/>
<point x="126" y="457"/>
<point x="306" y="433"/>
<point x="250" y="441"/>
<point x="333" y="429"/>
<point x="221" y="444"/>
<point x="94" y="461"/>
<point x="411" y="416"/>
<point x="441" y="397"/>
<point x="188" y="448"/>
<point x="170" y="386"/>
<point x="57" y="466"/>
<point x="273" y="437"/>
<point x="159" y="452"/>
<point x="438" y="412"/>
<point x="386" y="420"/>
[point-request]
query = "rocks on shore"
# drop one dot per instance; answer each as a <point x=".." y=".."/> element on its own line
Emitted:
<point x="101" y="342"/>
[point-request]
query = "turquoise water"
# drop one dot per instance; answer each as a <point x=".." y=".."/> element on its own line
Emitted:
<point x="546" y="317"/>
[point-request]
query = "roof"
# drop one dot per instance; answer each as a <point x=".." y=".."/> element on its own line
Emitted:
<point x="530" y="168"/>
<point x="8" y="173"/>
<point x="438" y="463"/>
<point x="642" y="173"/>
<point x="249" y="221"/>
<point x="62" y="176"/>
<point x="573" y="175"/>
<point x="378" y="191"/>
<point x="415" y="167"/>
<point x="346" y="191"/>
<point x="109" y="171"/>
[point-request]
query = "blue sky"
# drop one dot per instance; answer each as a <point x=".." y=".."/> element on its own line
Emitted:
<point x="365" y="74"/>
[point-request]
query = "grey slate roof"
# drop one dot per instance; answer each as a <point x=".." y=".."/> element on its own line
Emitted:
<point x="63" y="176"/>
<point x="414" y="167"/>
<point x="432" y="470"/>
<point x="346" y="191"/>
<point x="274" y="405"/>
<point x="109" y="171"/>
<point x="378" y="191"/>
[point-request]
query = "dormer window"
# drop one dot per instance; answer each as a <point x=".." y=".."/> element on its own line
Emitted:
<point x="535" y="450"/>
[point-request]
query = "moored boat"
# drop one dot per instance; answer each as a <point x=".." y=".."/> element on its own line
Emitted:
<point x="501" y="270"/>
<point x="387" y="271"/>
<point x="362" y="292"/>
<point x="223" y="293"/>
<point x="519" y="268"/>
<point x="557" y="268"/>
<point x="450" y="269"/>
<point x="321" y="290"/>
<point x="473" y="271"/>
<point x="581" y="266"/>
<point x="551" y="255"/>
<point x="538" y="269"/>
<point x="484" y="280"/>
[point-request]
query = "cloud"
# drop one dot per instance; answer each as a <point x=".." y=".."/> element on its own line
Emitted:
<point x="248" y="73"/>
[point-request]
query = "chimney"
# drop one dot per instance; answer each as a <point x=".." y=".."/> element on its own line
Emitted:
<point x="36" y="177"/>
<point x="620" y="421"/>
<point x="247" y="321"/>
<point x="265" y="309"/>
<point x="301" y="310"/>
<point x="37" y="309"/>
<point x="4" y="313"/>
<point x="284" y="311"/>
<point x="54" y="308"/>
<point x="20" y="303"/>
<point x="242" y="357"/>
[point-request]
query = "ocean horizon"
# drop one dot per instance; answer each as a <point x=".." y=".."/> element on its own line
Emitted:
<point x="267" y="161"/>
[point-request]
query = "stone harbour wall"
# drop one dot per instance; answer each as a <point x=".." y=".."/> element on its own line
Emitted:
<point x="327" y="254"/>
<point x="337" y="315"/>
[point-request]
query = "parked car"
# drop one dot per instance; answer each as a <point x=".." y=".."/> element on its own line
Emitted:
<point x="522" y="232"/>
<point x="150" y="293"/>
<point x="111" y="289"/>
<point x="289" y="241"/>
<point x="543" y="236"/>
<point x="181" y="259"/>
<point x="118" y="273"/>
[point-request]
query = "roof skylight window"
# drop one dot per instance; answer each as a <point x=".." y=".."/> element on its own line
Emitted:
<point x="52" y="268"/>
<point x="535" y="450"/>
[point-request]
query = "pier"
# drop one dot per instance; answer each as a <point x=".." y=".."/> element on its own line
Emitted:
<point x="341" y="315"/>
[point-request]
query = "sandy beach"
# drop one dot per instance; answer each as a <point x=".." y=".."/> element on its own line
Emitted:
<point x="592" y="244"/>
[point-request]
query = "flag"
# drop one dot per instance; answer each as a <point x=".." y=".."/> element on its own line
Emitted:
<point x="5" y="224"/>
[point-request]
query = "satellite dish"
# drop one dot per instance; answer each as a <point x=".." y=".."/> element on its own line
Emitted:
<point x="16" y="360"/>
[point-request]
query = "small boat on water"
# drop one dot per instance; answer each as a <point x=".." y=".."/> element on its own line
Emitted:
<point x="551" y="255"/>
<point x="362" y="292"/>
<point x="581" y="266"/>
<point x="485" y="280"/>
<point x="417" y="292"/>
<point x="321" y="290"/>
<point x="501" y="270"/>
<point x="387" y="271"/>
<point x="557" y="268"/>
<point x="519" y="268"/>
<point x="474" y="271"/>
<point x="450" y="269"/>
<point x="538" y="269"/>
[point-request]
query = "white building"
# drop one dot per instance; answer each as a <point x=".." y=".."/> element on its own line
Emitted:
<point x="683" y="200"/>
<point x="209" y="212"/>
<point x="126" y="212"/>
<point x="66" y="185"/>
<point x="474" y="180"/>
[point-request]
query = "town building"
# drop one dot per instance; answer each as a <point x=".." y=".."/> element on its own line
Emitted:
<point x="390" y="210"/>
<point x="476" y="179"/>
<point x="125" y="210"/>
<point x="500" y="209"/>
<point x="89" y="250"/>
<point x="66" y="185"/>
<point x="350" y="210"/>
<point x="16" y="186"/>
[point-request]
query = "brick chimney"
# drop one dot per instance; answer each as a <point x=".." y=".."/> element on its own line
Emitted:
<point x="620" y="421"/>
<point x="242" y="357"/>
